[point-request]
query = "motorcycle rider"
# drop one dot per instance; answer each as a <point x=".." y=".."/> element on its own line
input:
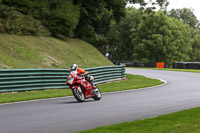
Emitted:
<point x="74" y="69"/>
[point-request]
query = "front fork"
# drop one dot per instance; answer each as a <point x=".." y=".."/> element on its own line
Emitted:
<point x="78" y="88"/>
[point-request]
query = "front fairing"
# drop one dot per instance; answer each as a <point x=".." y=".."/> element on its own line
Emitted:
<point x="71" y="79"/>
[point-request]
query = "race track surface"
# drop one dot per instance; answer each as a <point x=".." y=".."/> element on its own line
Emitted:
<point x="65" y="115"/>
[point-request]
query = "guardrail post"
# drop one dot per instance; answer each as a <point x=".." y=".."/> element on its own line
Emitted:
<point x="42" y="71"/>
<point x="123" y="72"/>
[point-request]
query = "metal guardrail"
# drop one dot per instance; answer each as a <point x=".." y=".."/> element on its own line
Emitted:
<point x="37" y="79"/>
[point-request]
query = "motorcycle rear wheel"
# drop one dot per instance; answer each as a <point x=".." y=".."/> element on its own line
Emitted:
<point x="97" y="94"/>
<point x="78" y="95"/>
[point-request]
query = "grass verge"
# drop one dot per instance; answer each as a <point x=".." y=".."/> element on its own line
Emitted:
<point x="169" y="69"/>
<point x="187" y="121"/>
<point x="132" y="82"/>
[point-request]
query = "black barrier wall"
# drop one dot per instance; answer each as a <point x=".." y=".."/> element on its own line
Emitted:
<point x="137" y="64"/>
<point x="186" y="65"/>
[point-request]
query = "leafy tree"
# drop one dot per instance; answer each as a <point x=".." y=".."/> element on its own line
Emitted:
<point x="102" y="40"/>
<point x="62" y="20"/>
<point x="152" y="37"/>
<point x="195" y="43"/>
<point x="96" y="17"/>
<point x="96" y="20"/>
<point x="91" y="11"/>
<point x="194" y="55"/>
<point x="152" y="4"/>
<point x="117" y="7"/>
<point x="186" y="15"/>
<point x="160" y="38"/>
<point x="120" y="42"/>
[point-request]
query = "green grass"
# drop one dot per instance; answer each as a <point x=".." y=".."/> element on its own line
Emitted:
<point x="132" y="82"/>
<point x="32" y="95"/>
<point x="47" y="52"/>
<point x="169" y="69"/>
<point x="187" y="121"/>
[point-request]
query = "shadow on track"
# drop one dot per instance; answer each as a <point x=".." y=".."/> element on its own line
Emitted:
<point x="76" y="102"/>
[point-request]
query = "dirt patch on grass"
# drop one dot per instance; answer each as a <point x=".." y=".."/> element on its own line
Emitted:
<point x="51" y="61"/>
<point x="5" y="66"/>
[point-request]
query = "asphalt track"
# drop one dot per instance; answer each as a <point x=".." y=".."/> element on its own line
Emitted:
<point x="64" y="115"/>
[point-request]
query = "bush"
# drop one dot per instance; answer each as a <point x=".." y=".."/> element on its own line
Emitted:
<point x="14" y="22"/>
<point x="60" y="16"/>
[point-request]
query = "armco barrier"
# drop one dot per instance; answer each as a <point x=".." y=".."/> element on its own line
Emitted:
<point x="36" y="79"/>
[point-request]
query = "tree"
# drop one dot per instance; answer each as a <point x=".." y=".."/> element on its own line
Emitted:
<point x="160" y="38"/>
<point x="97" y="15"/>
<point x="120" y="42"/>
<point x="152" y="4"/>
<point x="186" y="15"/>
<point x="62" y="20"/>
<point x="194" y="55"/>
<point x="96" y="20"/>
<point x="195" y="43"/>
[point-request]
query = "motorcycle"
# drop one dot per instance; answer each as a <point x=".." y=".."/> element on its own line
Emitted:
<point x="82" y="89"/>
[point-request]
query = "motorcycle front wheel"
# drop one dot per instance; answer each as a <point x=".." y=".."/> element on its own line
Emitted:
<point x="97" y="94"/>
<point x="78" y="94"/>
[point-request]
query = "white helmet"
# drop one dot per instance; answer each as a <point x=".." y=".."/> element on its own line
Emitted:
<point x="74" y="67"/>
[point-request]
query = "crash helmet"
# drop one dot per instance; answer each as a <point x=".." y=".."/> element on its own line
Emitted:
<point x="74" y="67"/>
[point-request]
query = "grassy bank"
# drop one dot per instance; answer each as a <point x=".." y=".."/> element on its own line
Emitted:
<point x="47" y="52"/>
<point x="187" y="121"/>
<point x="132" y="82"/>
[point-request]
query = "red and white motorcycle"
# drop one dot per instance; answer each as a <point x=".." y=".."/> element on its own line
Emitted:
<point x="81" y="88"/>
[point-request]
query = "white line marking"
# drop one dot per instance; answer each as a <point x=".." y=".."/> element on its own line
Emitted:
<point x="37" y="100"/>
